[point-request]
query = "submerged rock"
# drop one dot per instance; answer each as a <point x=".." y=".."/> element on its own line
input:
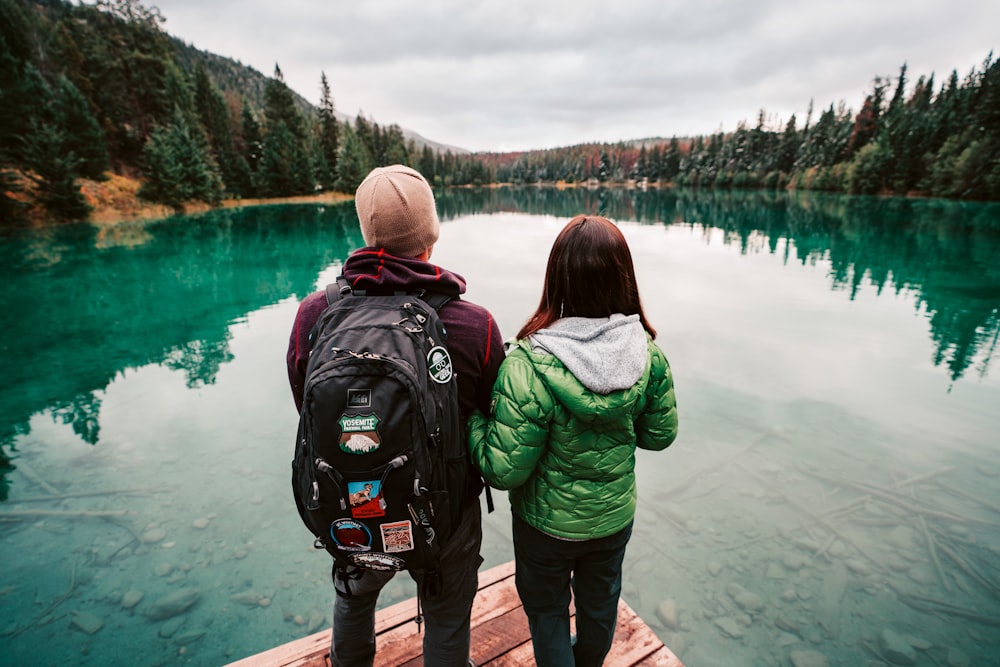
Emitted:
<point x="809" y="659"/>
<point x="131" y="599"/>
<point x="794" y="560"/>
<point x="788" y="625"/>
<point x="667" y="612"/>
<point x="316" y="621"/>
<point x="746" y="600"/>
<point x="857" y="567"/>
<point x="174" y="604"/>
<point x="729" y="627"/>
<point x="170" y="628"/>
<point x="956" y="658"/>
<point x="249" y="598"/>
<point x="828" y="609"/>
<point x="86" y="622"/>
<point x="896" y="649"/>
<point x="153" y="535"/>
<point x="189" y="637"/>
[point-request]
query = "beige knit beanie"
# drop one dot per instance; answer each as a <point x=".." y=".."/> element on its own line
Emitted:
<point x="396" y="209"/>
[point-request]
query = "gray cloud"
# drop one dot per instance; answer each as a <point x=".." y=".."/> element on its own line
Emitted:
<point x="530" y="74"/>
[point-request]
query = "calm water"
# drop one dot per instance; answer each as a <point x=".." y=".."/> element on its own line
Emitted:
<point x="835" y="487"/>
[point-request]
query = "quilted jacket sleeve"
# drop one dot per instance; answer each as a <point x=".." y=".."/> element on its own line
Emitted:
<point x="656" y="427"/>
<point x="508" y="444"/>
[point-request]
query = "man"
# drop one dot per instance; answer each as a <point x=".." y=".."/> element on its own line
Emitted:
<point x="400" y="226"/>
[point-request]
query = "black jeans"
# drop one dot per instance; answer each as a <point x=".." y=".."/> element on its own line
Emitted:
<point x="446" y="632"/>
<point x="546" y="569"/>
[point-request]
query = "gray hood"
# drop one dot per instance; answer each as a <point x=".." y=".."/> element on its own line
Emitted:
<point x="605" y="354"/>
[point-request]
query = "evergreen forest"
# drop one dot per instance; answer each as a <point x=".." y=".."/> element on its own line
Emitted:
<point x="88" y="91"/>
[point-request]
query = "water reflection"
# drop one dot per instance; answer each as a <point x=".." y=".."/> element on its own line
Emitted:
<point x="942" y="252"/>
<point x="122" y="297"/>
<point x="794" y="485"/>
<point x="83" y="304"/>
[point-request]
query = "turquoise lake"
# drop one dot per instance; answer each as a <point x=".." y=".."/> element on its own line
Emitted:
<point x="834" y="489"/>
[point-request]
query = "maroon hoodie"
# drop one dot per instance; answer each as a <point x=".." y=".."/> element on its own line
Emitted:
<point x="473" y="336"/>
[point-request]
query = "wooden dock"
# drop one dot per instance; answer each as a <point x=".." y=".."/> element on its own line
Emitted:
<point x="500" y="636"/>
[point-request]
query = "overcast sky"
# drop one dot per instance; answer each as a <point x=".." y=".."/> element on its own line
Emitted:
<point x="519" y="74"/>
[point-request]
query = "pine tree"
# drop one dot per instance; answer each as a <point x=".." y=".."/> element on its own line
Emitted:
<point x="329" y="136"/>
<point x="279" y="105"/>
<point x="788" y="147"/>
<point x="394" y="150"/>
<point x="354" y="161"/>
<point x="604" y="167"/>
<point x="177" y="166"/>
<point x="253" y="149"/>
<point x="426" y="164"/>
<point x="82" y="134"/>
<point x="19" y="91"/>
<point x="285" y="168"/>
<point x="54" y="171"/>
<point x="131" y="58"/>
<point x="214" y="118"/>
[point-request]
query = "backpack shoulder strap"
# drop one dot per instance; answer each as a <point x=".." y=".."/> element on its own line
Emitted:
<point x="436" y="299"/>
<point x="335" y="291"/>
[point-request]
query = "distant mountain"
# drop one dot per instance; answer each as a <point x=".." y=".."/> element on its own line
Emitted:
<point x="236" y="79"/>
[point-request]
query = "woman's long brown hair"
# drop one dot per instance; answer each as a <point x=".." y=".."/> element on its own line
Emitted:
<point x="589" y="274"/>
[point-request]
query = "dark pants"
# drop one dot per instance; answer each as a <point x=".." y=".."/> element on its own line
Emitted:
<point x="446" y="631"/>
<point x="546" y="568"/>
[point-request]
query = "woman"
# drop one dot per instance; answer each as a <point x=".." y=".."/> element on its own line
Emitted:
<point x="581" y="389"/>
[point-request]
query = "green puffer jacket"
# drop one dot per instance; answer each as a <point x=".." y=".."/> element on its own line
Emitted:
<point x="565" y="451"/>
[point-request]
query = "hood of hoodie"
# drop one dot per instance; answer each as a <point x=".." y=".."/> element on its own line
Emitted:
<point x="605" y="354"/>
<point x="376" y="271"/>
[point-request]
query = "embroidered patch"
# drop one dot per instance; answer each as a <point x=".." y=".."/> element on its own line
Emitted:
<point x="376" y="560"/>
<point x="397" y="536"/>
<point x="439" y="365"/>
<point x="359" y="434"/>
<point x="351" y="535"/>
<point x="366" y="499"/>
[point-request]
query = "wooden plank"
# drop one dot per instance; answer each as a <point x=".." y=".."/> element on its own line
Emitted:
<point x="663" y="657"/>
<point x="516" y="656"/>
<point x="500" y="635"/>
<point x="405" y="611"/>
<point x="634" y="640"/>
<point x="496" y="574"/>
<point x="396" y="615"/>
<point x="495" y="637"/>
<point x="310" y="651"/>
<point x="401" y="645"/>
<point x="634" y="644"/>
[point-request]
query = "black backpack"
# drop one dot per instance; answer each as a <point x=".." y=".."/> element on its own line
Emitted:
<point x="381" y="471"/>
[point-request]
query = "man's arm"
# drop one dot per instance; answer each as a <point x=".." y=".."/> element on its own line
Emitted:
<point x="297" y="355"/>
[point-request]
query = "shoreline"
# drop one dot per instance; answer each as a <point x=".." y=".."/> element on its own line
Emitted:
<point x="116" y="201"/>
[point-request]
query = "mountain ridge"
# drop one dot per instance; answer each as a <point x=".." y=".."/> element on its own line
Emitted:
<point x="235" y="78"/>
